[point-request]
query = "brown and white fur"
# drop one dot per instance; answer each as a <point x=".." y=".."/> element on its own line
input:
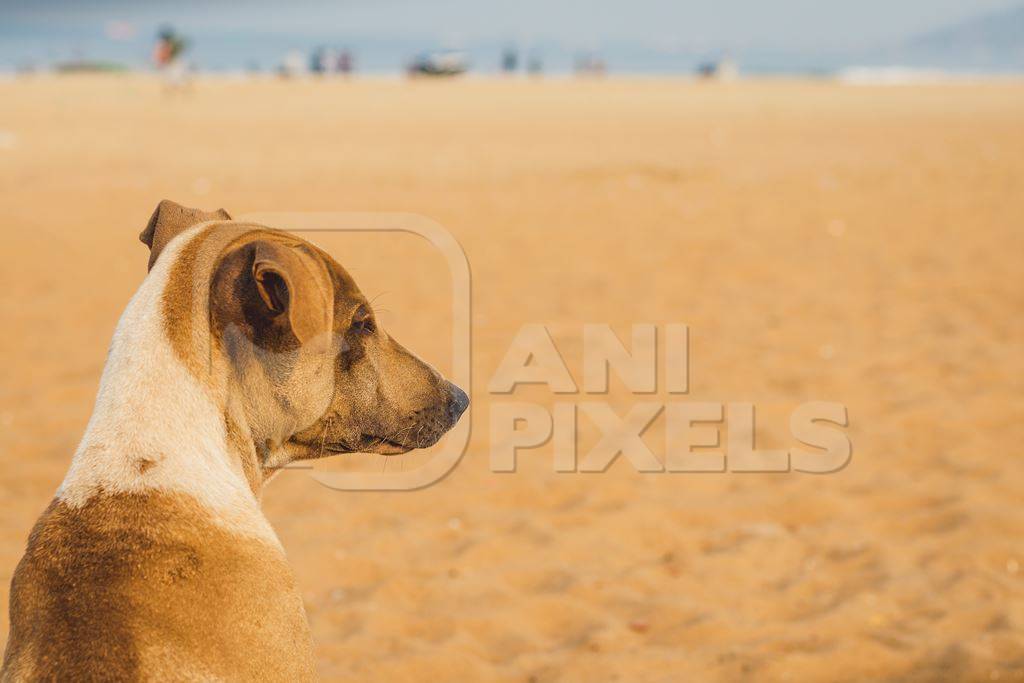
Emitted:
<point x="244" y="349"/>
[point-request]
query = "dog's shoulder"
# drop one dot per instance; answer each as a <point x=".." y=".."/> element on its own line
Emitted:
<point x="133" y="585"/>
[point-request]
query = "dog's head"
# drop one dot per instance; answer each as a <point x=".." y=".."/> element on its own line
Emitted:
<point x="308" y="363"/>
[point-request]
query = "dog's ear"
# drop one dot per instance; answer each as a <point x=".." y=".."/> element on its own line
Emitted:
<point x="292" y="280"/>
<point x="169" y="220"/>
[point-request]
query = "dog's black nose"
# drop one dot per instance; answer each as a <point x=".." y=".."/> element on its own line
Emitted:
<point x="458" y="402"/>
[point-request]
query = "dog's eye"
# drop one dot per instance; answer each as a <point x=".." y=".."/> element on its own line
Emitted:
<point x="362" y="321"/>
<point x="364" y="326"/>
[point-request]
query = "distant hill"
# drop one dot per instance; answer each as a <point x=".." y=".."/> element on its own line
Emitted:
<point x="992" y="41"/>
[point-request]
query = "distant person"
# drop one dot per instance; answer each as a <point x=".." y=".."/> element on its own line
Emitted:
<point x="346" y="63"/>
<point x="590" y="65"/>
<point x="534" y="65"/>
<point x="292" y="65"/>
<point x="317" y="61"/>
<point x="169" y="47"/>
<point x="168" y="58"/>
<point x="329" y="60"/>
<point x="724" y="69"/>
<point x="509" y="60"/>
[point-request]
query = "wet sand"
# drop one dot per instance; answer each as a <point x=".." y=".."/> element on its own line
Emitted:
<point x="854" y="244"/>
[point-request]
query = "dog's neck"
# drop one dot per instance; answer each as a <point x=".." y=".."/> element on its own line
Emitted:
<point x="157" y="426"/>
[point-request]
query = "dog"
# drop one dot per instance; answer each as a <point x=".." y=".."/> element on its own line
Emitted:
<point x="244" y="349"/>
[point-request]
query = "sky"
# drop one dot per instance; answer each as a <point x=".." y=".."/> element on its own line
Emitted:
<point x="121" y="30"/>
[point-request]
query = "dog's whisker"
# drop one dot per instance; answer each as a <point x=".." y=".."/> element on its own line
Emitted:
<point x="323" y="434"/>
<point x="377" y="296"/>
<point x="400" y="432"/>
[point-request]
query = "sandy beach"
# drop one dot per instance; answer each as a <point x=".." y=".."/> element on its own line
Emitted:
<point x="856" y="244"/>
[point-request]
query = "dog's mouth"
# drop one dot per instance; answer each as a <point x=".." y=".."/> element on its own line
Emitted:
<point x="369" y="443"/>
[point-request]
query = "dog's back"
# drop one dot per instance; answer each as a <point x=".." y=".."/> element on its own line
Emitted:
<point x="144" y="585"/>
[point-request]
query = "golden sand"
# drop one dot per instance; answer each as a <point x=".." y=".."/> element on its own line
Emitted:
<point x="854" y="244"/>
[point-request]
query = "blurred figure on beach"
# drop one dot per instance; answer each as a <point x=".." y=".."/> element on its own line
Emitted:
<point x="590" y="65"/>
<point x="323" y="61"/>
<point x="509" y="60"/>
<point x="292" y="66"/>
<point x="168" y="58"/>
<point x="724" y="69"/>
<point x="167" y="55"/>
<point x="535" y="65"/>
<point x="346" y="62"/>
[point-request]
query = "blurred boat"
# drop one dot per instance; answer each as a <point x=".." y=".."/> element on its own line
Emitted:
<point x="438" y="64"/>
